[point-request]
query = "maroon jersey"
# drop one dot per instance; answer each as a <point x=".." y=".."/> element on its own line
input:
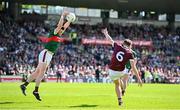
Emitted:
<point x="120" y="57"/>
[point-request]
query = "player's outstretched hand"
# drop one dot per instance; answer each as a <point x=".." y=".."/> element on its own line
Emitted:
<point x="104" y="31"/>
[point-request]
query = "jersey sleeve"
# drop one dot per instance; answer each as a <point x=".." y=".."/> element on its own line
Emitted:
<point x="52" y="33"/>
<point x="116" y="45"/>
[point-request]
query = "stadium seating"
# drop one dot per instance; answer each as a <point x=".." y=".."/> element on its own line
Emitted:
<point x="19" y="48"/>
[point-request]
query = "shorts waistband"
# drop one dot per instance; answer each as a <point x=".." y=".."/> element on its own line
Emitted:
<point x="49" y="52"/>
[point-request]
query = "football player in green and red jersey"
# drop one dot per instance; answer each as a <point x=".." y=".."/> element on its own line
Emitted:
<point x="45" y="56"/>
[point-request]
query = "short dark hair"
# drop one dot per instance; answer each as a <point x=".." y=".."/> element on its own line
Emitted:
<point x="127" y="42"/>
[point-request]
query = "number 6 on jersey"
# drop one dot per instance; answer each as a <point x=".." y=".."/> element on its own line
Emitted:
<point x="120" y="56"/>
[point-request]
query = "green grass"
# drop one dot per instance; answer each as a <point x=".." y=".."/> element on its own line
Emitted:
<point x="79" y="96"/>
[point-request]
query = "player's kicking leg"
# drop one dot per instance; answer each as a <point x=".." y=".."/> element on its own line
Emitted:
<point x="122" y="87"/>
<point x="38" y="81"/>
<point x="31" y="77"/>
<point x="118" y="91"/>
<point x="36" y="90"/>
<point x="115" y="77"/>
<point x="124" y="82"/>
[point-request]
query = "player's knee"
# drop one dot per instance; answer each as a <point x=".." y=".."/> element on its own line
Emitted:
<point x="125" y="77"/>
<point x="116" y="82"/>
<point x="43" y="68"/>
<point x="37" y="70"/>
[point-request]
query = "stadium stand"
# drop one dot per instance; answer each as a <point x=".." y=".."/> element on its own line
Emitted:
<point x="19" y="48"/>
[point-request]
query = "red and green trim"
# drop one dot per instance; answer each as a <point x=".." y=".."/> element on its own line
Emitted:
<point x="50" y="39"/>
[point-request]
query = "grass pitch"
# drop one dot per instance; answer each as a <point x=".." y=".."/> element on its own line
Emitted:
<point x="81" y="96"/>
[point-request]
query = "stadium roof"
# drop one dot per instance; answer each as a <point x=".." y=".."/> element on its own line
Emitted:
<point x="162" y="6"/>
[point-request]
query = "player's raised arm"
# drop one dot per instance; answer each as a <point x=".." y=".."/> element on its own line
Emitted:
<point x="61" y="21"/>
<point x="134" y="69"/>
<point x="108" y="37"/>
<point x="61" y="27"/>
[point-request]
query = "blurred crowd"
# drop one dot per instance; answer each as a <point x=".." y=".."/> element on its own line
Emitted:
<point x="19" y="49"/>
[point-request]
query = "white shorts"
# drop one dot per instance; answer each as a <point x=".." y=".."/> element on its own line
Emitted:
<point x="114" y="75"/>
<point x="45" y="56"/>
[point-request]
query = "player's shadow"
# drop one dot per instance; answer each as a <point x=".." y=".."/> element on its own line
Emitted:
<point x="83" y="105"/>
<point x="6" y="103"/>
<point x="1" y="103"/>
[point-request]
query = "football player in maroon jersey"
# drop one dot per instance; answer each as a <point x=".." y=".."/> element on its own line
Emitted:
<point x="118" y="68"/>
